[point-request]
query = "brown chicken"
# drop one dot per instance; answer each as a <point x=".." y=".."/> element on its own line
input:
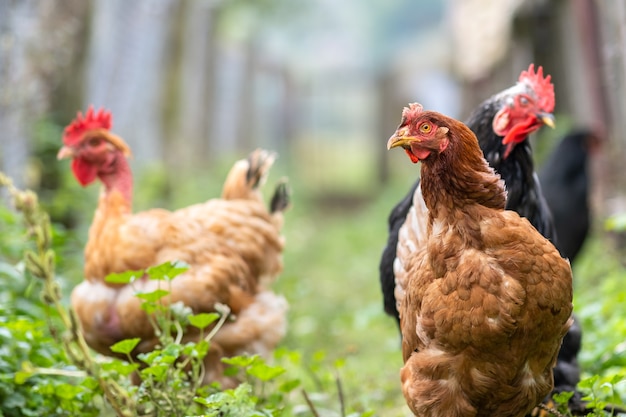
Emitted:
<point x="486" y="299"/>
<point x="232" y="245"/>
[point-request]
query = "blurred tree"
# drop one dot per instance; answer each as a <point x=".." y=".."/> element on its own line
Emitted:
<point x="193" y="86"/>
<point x="155" y="64"/>
<point x="37" y="44"/>
<point x="126" y="66"/>
<point x="612" y="18"/>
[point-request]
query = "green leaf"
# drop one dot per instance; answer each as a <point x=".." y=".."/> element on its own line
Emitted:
<point x="152" y="296"/>
<point x="167" y="271"/>
<point x="196" y="350"/>
<point x="231" y="371"/>
<point x="202" y="347"/>
<point x="149" y="357"/>
<point x="68" y="391"/>
<point x="27" y="370"/>
<point x="265" y="372"/>
<point x="122" y="368"/>
<point x="588" y="383"/>
<point x="158" y="371"/>
<point x="125" y="346"/>
<point x="202" y="320"/>
<point x="91" y="384"/>
<point x="562" y="397"/>
<point x="170" y="353"/>
<point x="203" y="401"/>
<point x="289" y="386"/>
<point x="241" y="361"/>
<point x="150" y="308"/>
<point x="21" y="377"/>
<point x="123" y="277"/>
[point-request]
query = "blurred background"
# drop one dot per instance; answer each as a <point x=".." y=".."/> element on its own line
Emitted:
<point x="194" y="85"/>
<point x="190" y="81"/>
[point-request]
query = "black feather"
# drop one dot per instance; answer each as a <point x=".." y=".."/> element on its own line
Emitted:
<point x="385" y="268"/>
<point x="565" y="181"/>
<point x="281" y="199"/>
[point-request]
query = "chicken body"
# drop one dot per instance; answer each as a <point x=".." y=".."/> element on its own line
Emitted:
<point x="486" y="298"/>
<point x="232" y="245"/>
<point x="524" y="193"/>
<point x="233" y="248"/>
<point x="407" y="220"/>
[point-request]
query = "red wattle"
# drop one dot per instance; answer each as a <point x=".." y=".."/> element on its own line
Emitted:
<point x="518" y="133"/>
<point x="84" y="171"/>
<point x="417" y="154"/>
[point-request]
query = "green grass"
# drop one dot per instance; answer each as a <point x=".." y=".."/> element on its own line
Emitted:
<point x="330" y="279"/>
<point x="331" y="282"/>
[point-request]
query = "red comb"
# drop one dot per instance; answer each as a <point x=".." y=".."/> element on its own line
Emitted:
<point x="544" y="89"/>
<point x="100" y="119"/>
<point x="412" y="111"/>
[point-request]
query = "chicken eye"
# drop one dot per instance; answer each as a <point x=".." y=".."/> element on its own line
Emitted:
<point x="523" y="101"/>
<point x="94" y="142"/>
<point x="425" y="128"/>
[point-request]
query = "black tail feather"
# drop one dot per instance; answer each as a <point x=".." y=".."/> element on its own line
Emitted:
<point x="258" y="164"/>
<point x="281" y="198"/>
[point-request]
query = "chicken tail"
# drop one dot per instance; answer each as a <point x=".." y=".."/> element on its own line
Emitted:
<point x="259" y="163"/>
<point x="281" y="199"/>
<point x="248" y="175"/>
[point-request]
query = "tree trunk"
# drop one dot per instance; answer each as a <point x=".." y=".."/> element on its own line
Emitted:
<point x="195" y="83"/>
<point x="38" y="44"/>
<point x="126" y="68"/>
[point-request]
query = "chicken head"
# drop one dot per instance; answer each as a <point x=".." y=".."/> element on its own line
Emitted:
<point x="529" y="105"/>
<point x="93" y="148"/>
<point x="418" y="134"/>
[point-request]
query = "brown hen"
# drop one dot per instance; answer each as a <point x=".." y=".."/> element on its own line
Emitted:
<point x="233" y="247"/>
<point x="486" y="300"/>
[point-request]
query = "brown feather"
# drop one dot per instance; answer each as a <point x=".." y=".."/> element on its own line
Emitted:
<point x="487" y="300"/>
<point x="233" y="246"/>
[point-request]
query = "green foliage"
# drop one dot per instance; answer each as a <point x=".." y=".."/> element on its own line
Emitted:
<point x="35" y="376"/>
<point x="167" y="271"/>
<point x="19" y="289"/>
<point x="561" y="400"/>
<point x="170" y="375"/>
<point x="11" y="244"/>
<point x="202" y="320"/>
<point x="232" y="402"/>
<point x="125" y="347"/>
<point x="341" y="356"/>
<point x="600" y="303"/>
<point x="125" y="277"/>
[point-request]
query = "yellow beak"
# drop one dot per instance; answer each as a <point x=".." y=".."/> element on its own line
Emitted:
<point x="547" y="119"/>
<point x="400" y="140"/>
<point x="65" y="152"/>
